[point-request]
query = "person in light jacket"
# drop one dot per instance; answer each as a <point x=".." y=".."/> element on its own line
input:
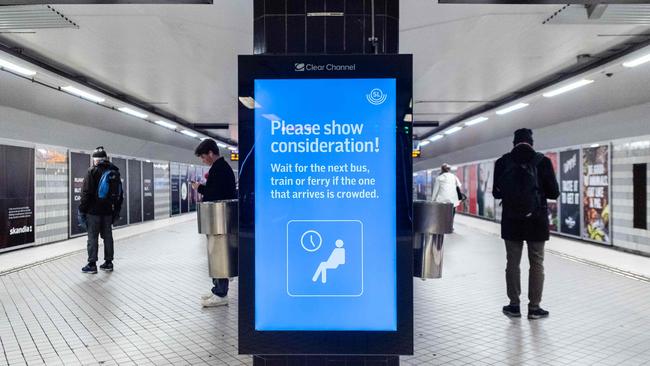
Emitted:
<point x="444" y="188"/>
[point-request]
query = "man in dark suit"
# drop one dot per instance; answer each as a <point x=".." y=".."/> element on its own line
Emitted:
<point x="220" y="185"/>
<point x="531" y="224"/>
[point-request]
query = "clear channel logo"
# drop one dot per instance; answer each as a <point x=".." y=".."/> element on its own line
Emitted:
<point x="299" y="66"/>
<point x="376" y="96"/>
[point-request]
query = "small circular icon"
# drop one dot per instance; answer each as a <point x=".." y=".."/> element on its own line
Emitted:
<point x="184" y="191"/>
<point x="311" y="240"/>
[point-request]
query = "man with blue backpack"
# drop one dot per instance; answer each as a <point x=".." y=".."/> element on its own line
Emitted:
<point x="524" y="179"/>
<point x="101" y="201"/>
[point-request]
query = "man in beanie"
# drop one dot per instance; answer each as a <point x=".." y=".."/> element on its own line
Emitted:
<point x="101" y="202"/>
<point x="220" y="185"/>
<point x="524" y="179"/>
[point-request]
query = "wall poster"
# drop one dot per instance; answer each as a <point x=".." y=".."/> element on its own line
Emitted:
<point x="553" y="204"/>
<point x="79" y="165"/>
<point x="595" y="172"/>
<point x="121" y="165"/>
<point x="570" y="192"/>
<point x="16" y="196"/>
<point x="148" y="206"/>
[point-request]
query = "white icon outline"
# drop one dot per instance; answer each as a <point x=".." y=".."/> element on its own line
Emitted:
<point x="376" y="96"/>
<point x="314" y="247"/>
<point x="362" y="263"/>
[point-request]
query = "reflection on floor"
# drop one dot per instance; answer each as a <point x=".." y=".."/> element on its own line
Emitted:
<point x="147" y="312"/>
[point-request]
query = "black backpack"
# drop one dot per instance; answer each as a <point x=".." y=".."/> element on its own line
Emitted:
<point x="520" y="190"/>
<point x="110" y="187"/>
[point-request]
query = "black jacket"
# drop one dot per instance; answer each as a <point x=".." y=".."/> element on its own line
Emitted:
<point x="90" y="202"/>
<point x="536" y="227"/>
<point x="220" y="184"/>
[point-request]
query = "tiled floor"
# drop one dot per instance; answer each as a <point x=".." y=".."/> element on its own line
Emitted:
<point x="146" y="311"/>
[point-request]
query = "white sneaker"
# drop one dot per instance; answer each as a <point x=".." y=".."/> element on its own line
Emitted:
<point x="213" y="301"/>
<point x="207" y="296"/>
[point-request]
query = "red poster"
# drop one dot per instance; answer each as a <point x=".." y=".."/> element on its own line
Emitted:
<point x="552" y="204"/>
<point x="473" y="186"/>
<point x="461" y="176"/>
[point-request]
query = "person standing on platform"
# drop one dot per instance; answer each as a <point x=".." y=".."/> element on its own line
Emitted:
<point x="446" y="187"/>
<point x="101" y="202"/>
<point x="524" y="179"/>
<point x="220" y="185"/>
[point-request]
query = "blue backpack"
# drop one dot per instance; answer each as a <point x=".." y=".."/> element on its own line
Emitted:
<point x="110" y="187"/>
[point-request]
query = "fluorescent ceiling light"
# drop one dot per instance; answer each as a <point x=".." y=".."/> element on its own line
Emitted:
<point x="82" y="94"/>
<point x="132" y="112"/>
<point x="512" y="108"/>
<point x="476" y="121"/>
<point x="594" y="145"/>
<point x="42" y="151"/>
<point x="408" y="117"/>
<point x="424" y="143"/>
<point x="232" y="148"/>
<point x="15" y="68"/>
<point x="189" y="133"/>
<point x="637" y="61"/>
<point x="203" y="138"/>
<point x="222" y="145"/>
<point x="249" y="102"/>
<point x="436" y="137"/>
<point x="171" y="126"/>
<point x="453" y="130"/>
<point x="566" y="88"/>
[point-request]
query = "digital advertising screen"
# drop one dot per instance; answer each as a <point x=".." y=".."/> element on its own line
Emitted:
<point x="321" y="175"/>
<point x="79" y="165"/>
<point x="16" y="196"/>
<point x="120" y="163"/>
<point x="325" y="192"/>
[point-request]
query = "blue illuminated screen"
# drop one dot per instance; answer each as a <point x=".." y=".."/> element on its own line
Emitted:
<point x="325" y="252"/>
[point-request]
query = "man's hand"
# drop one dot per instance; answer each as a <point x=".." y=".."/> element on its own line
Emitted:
<point x="82" y="220"/>
<point x="195" y="185"/>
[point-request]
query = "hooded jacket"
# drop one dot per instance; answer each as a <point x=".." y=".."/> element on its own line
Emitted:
<point x="534" y="228"/>
<point x="90" y="202"/>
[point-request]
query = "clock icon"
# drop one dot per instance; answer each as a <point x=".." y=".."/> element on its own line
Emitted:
<point x="311" y="240"/>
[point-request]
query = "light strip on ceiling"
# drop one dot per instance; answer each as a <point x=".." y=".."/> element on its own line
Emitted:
<point x="189" y="133"/>
<point x="171" y="126"/>
<point x="232" y="148"/>
<point x="476" y="121"/>
<point x="512" y="108"/>
<point x="436" y="137"/>
<point x="15" y="68"/>
<point x="82" y="94"/>
<point x="637" y="61"/>
<point x="453" y="130"/>
<point x="567" y="88"/>
<point x="132" y="112"/>
<point x="222" y="145"/>
<point x="424" y="143"/>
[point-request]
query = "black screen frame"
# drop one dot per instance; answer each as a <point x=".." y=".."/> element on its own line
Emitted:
<point x="398" y="342"/>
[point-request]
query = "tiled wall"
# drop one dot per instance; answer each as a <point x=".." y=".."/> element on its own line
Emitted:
<point x="625" y="154"/>
<point x="161" y="190"/>
<point x="51" y="201"/>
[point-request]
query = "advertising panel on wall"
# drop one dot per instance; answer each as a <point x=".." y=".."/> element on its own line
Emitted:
<point x="135" y="191"/>
<point x="484" y="198"/>
<point x="185" y="188"/>
<point x="51" y="196"/>
<point x="174" y="171"/>
<point x="460" y="173"/>
<point x="192" y="177"/>
<point x="553" y="218"/>
<point x="161" y="193"/>
<point x="148" y="206"/>
<point x="420" y="185"/>
<point x="16" y="196"/>
<point x="570" y="192"/>
<point x="124" y="212"/>
<point x="596" y="213"/>
<point x="472" y="186"/>
<point x="325" y="235"/>
<point x="79" y="164"/>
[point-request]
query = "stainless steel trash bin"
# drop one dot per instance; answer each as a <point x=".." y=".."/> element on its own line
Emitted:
<point x="431" y="220"/>
<point x="219" y="222"/>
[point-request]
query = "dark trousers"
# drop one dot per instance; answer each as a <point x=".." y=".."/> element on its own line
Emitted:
<point x="535" y="275"/>
<point x="100" y="225"/>
<point x="220" y="286"/>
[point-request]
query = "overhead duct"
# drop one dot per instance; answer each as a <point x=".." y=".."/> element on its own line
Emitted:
<point x="32" y="18"/>
<point x="602" y="14"/>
